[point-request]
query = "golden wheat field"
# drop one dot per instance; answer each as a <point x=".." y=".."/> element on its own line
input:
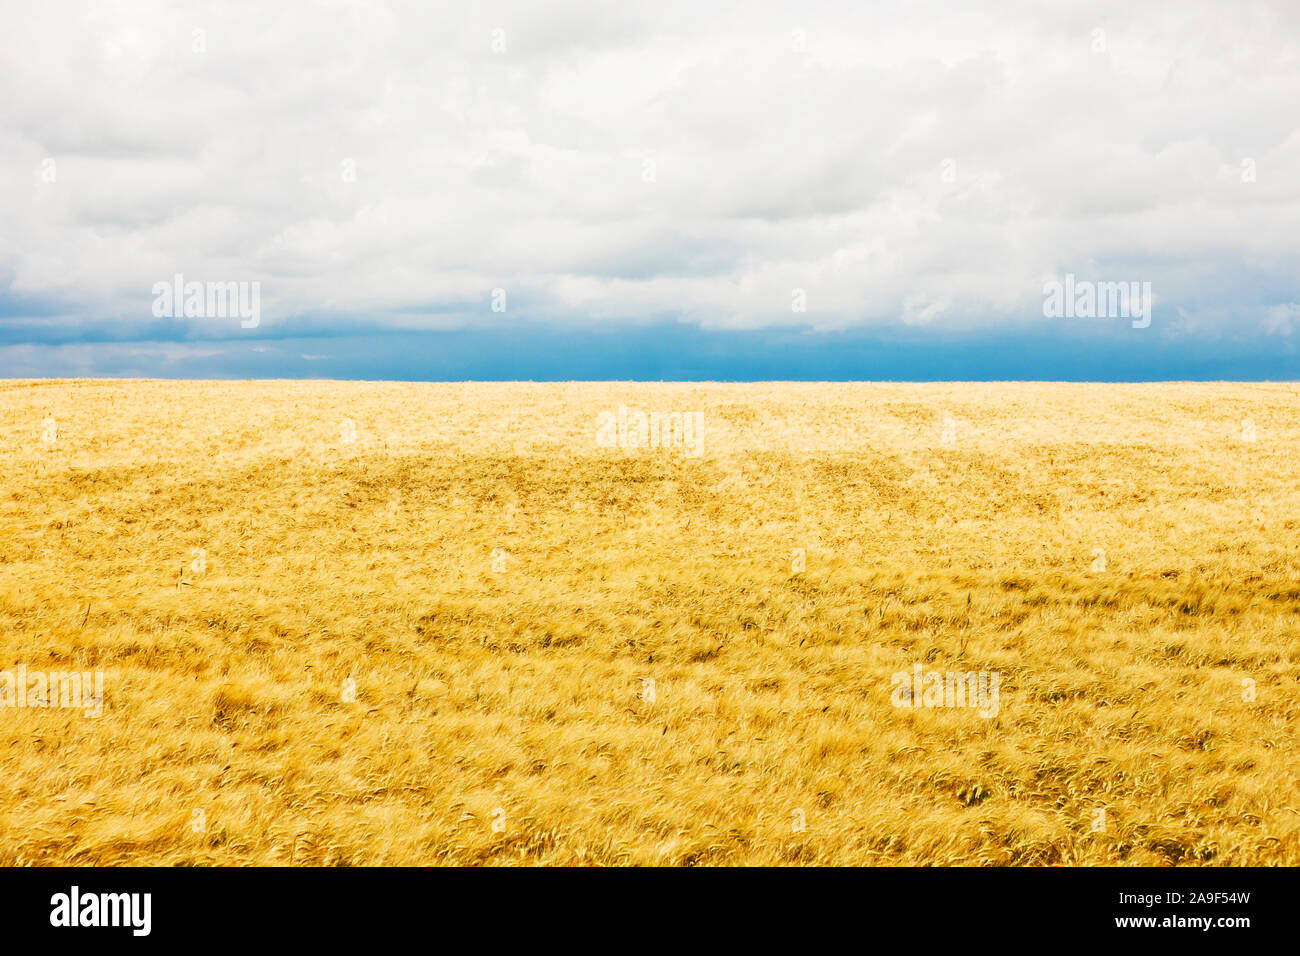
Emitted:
<point x="379" y="623"/>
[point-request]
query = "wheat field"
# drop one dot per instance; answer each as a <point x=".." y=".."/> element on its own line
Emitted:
<point x="385" y="623"/>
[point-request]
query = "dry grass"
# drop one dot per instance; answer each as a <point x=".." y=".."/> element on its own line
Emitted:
<point x="518" y="698"/>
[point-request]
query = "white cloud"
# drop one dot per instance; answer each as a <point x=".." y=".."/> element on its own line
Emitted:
<point x="1281" y="319"/>
<point x="786" y="146"/>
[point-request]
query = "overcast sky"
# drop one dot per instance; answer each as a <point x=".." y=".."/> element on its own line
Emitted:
<point x="637" y="172"/>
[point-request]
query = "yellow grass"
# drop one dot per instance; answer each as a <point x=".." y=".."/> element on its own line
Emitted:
<point x="506" y="716"/>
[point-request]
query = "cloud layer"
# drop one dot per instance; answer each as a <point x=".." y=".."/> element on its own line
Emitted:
<point x="386" y="166"/>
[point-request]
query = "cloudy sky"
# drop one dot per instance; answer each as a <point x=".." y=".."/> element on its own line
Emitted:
<point x="650" y="189"/>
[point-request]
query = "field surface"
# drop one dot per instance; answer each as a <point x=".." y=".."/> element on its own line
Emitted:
<point x="356" y="623"/>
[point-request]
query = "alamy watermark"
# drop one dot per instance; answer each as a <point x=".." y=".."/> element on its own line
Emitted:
<point x="75" y="908"/>
<point x="922" y="688"/>
<point x="1098" y="300"/>
<point x="179" y="299"/>
<point x="80" y="690"/>
<point x="631" y="428"/>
